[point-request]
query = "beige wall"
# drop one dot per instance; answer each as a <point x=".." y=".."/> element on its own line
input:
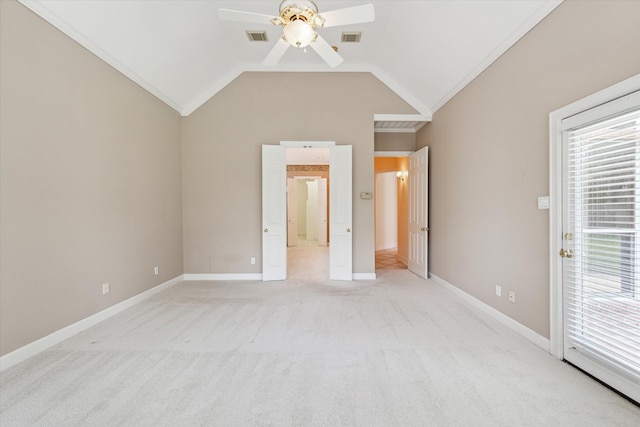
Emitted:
<point x="90" y="182"/>
<point x="490" y="158"/>
<point x="395" y="141"/>
<point x="222" y="161"/>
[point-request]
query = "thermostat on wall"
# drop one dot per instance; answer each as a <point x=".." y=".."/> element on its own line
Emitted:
<point x="366" y="196"/>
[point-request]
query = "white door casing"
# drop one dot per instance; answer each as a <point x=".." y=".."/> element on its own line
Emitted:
<point x="563" y="285"/>
<point x="419" y="212"/>
<point x="292" y="212"/>
<point x="274" y="213"/>
<point x="340" y="218"/>
<point x="322" y="212"/>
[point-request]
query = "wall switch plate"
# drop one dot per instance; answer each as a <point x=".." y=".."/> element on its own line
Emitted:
<point x="498" y="290"/>
<point x="105" y="288"/>
<point x="156" y="270"/>
<point x="512" y="296"/>
<point x="543" y="202"/>
<point x="253" y="260"/>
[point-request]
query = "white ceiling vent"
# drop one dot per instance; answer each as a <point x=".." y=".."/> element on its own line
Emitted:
<point x="351" y="37"/>
<point x="257" y="36"/>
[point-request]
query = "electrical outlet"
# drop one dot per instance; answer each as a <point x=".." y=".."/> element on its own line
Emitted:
<point x="512" y="296"/>
<point x="253" y="260"/>
<point x="156" y="271"/>
<point x="105" y="288"/>
<point x="498" y="290"/>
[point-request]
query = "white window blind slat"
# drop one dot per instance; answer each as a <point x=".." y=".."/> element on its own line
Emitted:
<point x="602" y="279"/>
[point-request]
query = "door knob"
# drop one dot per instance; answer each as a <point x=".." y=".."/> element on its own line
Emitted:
<point x="266" y="230"/>
<point x="566" y="254"/>
<point x="348" y="230"/>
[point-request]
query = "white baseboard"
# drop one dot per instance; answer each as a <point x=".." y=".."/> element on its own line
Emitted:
<point x="364" y="276"/>
<point x="256" y="276"/>
<point x="31" y="349"/>
<point x="514" y="325"/>
<point x="224" y="276"/>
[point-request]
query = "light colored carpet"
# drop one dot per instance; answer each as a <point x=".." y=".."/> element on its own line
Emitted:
<point x="399" y="351"/>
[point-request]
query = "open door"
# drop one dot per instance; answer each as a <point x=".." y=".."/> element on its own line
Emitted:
<point x="419" y="212"/>
<point x="341" y="236"/>
<point x="292" y="212"/>
<point x="322" y="212"/>
<point x="274" y="213"/>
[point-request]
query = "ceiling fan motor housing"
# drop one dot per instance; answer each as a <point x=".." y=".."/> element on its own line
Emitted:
<point x="305" y="11"/>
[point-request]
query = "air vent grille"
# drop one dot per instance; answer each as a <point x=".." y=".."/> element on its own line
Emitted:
<point x="257" y="36"/>
<point x="351" y="37"/>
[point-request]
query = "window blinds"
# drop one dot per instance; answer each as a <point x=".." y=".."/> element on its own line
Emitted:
<point x="601" y="289"/>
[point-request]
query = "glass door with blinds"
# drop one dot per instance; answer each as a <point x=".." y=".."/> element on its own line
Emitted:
<point x="601" y="243"/>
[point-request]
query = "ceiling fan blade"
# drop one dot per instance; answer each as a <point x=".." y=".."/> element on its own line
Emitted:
<point x="276" y="53"/>
<point x="349" y="15"/>
<point x="326" y="52"/>
<point x="240" y="16"/>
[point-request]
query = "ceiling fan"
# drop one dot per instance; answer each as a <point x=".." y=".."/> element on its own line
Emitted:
<point x="299" y="20"/>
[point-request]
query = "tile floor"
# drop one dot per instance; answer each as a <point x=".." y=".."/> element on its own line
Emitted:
<point x="387" y="259"/>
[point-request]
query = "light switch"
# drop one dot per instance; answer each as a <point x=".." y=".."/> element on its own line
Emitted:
<point x="543" y="202"/>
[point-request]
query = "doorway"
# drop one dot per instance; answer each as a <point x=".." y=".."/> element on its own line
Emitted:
<point x="595" y="217"/>
<point x="307" y="211"/>
<point x="391" y="212"/>
<point x="307" y="225"/>
<point x="274" y="210"/>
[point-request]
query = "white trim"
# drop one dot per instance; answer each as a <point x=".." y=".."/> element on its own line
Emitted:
<point x="394" y="130"/>
<point x="545" y="9"/>
<point x="215" y="87"/>
<point x="257" y="276"/>
<point x="314" y="144"/>
<point x="618" y="90"/>
<point x="392" y="153"/>
<point x="401" y="118"/>
<point x="232" y="74"/>
<point x="40" y="9"/>
<point x="192" y="104"/>
<point x="42" y="344"/>
<point x="512" y="324"/>
<point x="402" y="92"/>
<point x="223" y="276"/>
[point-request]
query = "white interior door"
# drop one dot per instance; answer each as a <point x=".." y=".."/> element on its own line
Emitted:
<point x="292" y="212"/>
<point x="312" y="210"/>
<point x="419" y="212"/>
<point x="341" y="236"/>
<point x="322" y="212"/>
<point x="274" y="213"/>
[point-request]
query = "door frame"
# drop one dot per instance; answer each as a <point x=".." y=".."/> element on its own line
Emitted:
<point x="556" y="180"/>
<point x="331" y="144"/>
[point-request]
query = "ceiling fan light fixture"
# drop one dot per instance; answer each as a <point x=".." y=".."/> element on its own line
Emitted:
<point x="298" y="33"/>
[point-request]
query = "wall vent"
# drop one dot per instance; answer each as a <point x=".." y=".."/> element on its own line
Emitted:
<point x="351" y="37"/>
<point x="257" y="36"/>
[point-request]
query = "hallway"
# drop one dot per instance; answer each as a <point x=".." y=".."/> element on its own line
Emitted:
<point x="307" y="261"/>
<point x="387" y="259"/>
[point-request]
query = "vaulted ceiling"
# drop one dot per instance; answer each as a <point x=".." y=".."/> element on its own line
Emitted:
<point x="181" y="52"/>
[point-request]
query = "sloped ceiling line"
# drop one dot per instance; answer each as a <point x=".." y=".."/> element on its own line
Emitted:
<point x="424" y="51"/>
